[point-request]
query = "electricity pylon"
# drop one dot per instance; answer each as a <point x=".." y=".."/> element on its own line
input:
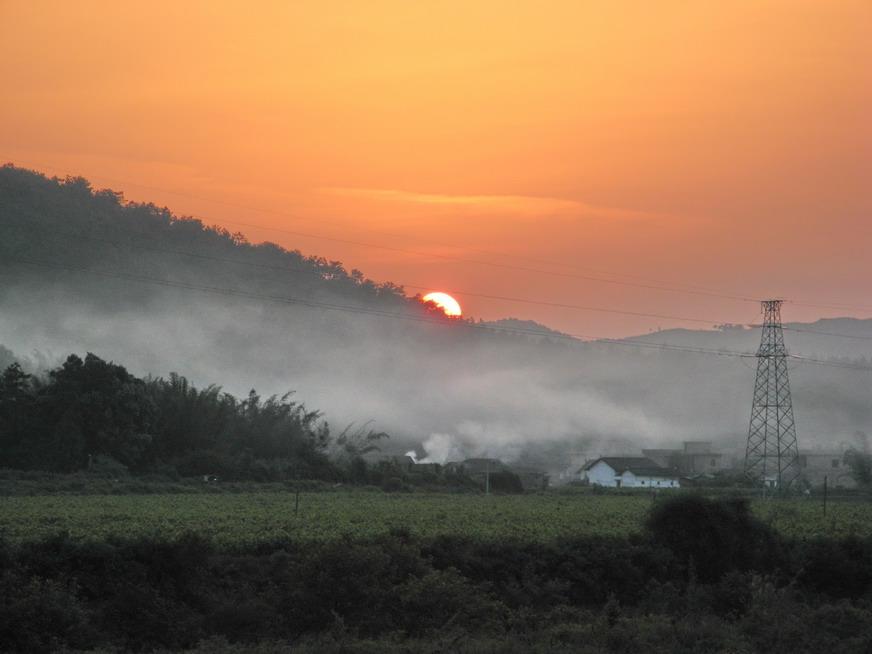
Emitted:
<point x="772" y="456"/>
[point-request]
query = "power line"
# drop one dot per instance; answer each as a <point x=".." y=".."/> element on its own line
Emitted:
<point x="653" y="284"/>
<point x="823" y="305"/>
<point x="458" y="292"/>
<point x="361" y="310"/>
<point x="533" y="270"/>
<point x="833" y="364"/>
<point x="395" y="235"/>
<point x="699" y="291"/>
<point x="491" y="264"/>
<point x="575" y="306"/>
<point x="813" y="331"/>
<point x="318" y="274"/>
<point x="461" y="292"/>
<point x="454" y="323"/>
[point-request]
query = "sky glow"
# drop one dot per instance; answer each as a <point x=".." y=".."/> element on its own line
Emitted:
<point x="669" y="158"/>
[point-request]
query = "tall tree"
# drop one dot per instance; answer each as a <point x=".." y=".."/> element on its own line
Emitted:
<point x="858" y="458"/>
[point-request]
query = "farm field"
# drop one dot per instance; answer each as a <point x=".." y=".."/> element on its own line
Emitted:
<point x="247" y="518"/>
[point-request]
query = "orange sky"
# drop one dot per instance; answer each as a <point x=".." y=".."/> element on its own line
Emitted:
<point x="512" y="149"/>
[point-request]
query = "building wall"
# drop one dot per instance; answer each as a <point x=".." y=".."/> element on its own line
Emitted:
<point x="630" y="480"/>
<point x="663" y="458"/>
<point x="702" y="463"/>
<point x="814" y="466"/>
<point x="602" y="474"/>
<point x="696" y="457"/>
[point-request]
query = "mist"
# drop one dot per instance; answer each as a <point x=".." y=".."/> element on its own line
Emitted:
<point x="448" y="391"/>
<point x="159" y="294"/>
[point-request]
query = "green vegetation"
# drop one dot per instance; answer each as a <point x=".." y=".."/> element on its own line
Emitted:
<point x="384" y="580"/>
<point x="858" y="457"/>
<point x="94" y="413"/>
<point x="244" y="518"/>
<point x="105" y="430"/>
<point x="250" y="517"/>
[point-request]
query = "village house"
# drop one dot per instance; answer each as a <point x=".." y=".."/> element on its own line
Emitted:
<point x="817" y="465"/>
<point x="695" y="458"/>
<point x="629" y="472"/>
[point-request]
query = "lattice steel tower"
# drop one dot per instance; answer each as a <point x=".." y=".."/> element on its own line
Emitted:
<point x="772" y="456"/>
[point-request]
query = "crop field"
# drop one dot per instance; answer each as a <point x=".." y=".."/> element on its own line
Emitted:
<point x="246" y="518"/>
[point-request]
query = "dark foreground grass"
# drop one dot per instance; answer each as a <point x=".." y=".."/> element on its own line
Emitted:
<point x="398" y="591"/>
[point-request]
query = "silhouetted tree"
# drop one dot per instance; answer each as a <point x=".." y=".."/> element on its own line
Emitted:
<point x="93" y="407"/>
<point x="88" y="407"/>
<point x="858" y="458"/>
<point x="16" y="404"/>
<point x="188" y="418"/>
<point x="506" y="481"/>
<point x="711" y="536"/>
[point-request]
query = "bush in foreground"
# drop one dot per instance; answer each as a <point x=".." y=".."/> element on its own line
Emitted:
<point x="712" y="536"/>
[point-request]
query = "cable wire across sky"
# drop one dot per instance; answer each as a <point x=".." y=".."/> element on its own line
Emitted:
<point x="642" y="282"/>
<point x="575" y="338"/>
<point x="285" y="269"/>
<point x="651" y="284"/>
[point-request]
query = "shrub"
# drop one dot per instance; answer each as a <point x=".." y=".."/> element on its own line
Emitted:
<point x="712" y="537"/>
<point x="505" y="481"/>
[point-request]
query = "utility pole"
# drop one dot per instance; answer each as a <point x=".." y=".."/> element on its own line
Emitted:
<point x="772" y="456"/>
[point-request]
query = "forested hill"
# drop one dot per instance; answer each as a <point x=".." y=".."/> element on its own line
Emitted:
<point x="64" y="232"/>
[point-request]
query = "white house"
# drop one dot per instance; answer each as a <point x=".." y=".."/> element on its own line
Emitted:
<point x="629" y="472"/>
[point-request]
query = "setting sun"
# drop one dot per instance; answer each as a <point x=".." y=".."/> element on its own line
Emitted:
<point x="445" y="302"/>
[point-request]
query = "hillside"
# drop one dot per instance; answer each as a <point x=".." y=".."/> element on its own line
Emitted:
<point x="69" y="235"/>
<point x="526" y="327"/>
<point x="85" y="271"/>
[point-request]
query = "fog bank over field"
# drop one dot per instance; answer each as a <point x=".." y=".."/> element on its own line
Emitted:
<point x="85" y="272"/>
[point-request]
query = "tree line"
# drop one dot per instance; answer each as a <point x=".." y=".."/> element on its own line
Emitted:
<point x="94" y="415"/>
<point x="90" y="411"/>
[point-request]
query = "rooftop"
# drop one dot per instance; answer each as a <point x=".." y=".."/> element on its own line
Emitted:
<point x="638" y="465"/>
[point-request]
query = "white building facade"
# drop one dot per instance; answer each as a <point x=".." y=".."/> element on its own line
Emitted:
<point x="629" y="472"/>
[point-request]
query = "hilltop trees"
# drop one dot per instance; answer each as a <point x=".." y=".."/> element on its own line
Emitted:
<point x="56" y="229"/>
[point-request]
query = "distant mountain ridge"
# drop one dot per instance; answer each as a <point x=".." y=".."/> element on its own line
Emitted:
<point x="527" y="327"/>
<point x="827" y="338"/>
